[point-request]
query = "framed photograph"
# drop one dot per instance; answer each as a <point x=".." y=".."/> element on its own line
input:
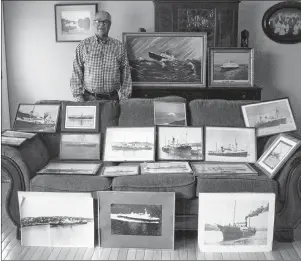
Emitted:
<point x="136" y="219"/>
<point x="80" y="117"/>
<point x="228" y="144"/>
<point x="129" y="144"/>
<point x="180" y="143"/>
<point x="80" y="146"/>
<point x="222" y="168"/>
<point x="269" y="117"/>
<point x="56" y="219"/>
<point x="231" y="67"/>
<point x="173" y="59"/>
<point x="282" y="22"/>
<point x="12" y="141"/>
<point x="18" y="134"/>
<point x="74" y="22"/>
<point x="37" y="118"/>
<point x="121" y="170"/>
<point x="170" y="113"/>
<point x="71" y="168"/>
<point x="245" y="225"/>
<point x="165" y="167"/>
<point x="277" y="154"/>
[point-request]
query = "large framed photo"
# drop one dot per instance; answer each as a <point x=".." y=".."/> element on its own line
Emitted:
<point x="231" y="67"/>
<point x="269" y="117"/>
<point x="136" y="219"/>
<point x="228" y="144"/>
<point x="74" y="22"/>
<point x="121" y="170"/>
<point x="165" y="167"/>
<point x="167" y="60"/>
<point x="170" y="113"/>
<point x="180" y="143"/>
<point x="236" y="222"/>
<point x="277" y="154"/>
<point x="37" y="118"/>
<point x="129" y="144"/>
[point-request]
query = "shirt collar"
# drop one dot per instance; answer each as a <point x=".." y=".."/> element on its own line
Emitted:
<point x="107" y="40"/>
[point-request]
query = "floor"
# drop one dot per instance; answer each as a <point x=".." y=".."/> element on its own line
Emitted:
<point x="185" y="248"/>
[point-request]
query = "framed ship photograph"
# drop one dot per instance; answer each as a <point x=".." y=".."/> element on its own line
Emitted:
<point x="277" y="154"/>
<point x="12" y="141"/>
<point x="227" y="144"/>
<point x="236" y="222"/>
<point x="167" y="59"/>
<point x="129" y="144"/>
<point x="180" y="143"/>
<point x="80" y="146"/>
<point x="269" y="117"/>
<point x="165" y="167"/>
<point x="136" y="219"/>
<point x="170" y="113"/>
<point x="121" y="170"/>
<point x="37" y="118"/>
<point x="18" y="134"/>
<point x="231" y="67"/>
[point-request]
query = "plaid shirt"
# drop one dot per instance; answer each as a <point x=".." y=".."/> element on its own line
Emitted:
<point x="100" y="67"/>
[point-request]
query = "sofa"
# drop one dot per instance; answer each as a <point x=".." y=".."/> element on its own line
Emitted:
<point x="22" y="163"/>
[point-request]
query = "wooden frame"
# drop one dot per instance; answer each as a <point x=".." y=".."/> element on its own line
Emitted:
<point x="170" y="113"/>
<point x="162" y="167"/>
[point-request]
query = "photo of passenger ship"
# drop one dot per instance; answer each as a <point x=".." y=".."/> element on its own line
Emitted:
<point x="83" y="117"/>
<point x="170" y="113"/>
<point x="165" y="167"/>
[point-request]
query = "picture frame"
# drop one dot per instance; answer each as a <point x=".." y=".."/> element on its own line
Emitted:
<point x="130" y="144"/>
<point x="246" y="223"/>
<point x="18" y="134"/>
<point x="36" y="118"/>
<point x="170" y="113"/>
<point x="165" y="167"/>
<point x="80" y="146"/>
<point x="231" y="67"/>
<point x="282" y="22"/>
<point x="74" y="22"/>
<point x="121" y="170"/>
<point x="269" y="117"/>
<point x="275" y="156"/>
<point x="12" y="141"/>
<point x="180" y="143"/>
<point x="230" y="144"/>
<point x="80" y="117"/>
<point x="136" y="219"/>
<point x="167" y="59"/>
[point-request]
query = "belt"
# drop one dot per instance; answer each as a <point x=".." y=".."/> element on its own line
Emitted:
<point x="102" y="95"/>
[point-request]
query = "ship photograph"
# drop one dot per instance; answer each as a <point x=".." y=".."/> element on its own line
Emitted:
<point x="115" y="171"/>
<point x="83" y="117"/>
<point x="165" y="167"/>
<point x="80" y="168"/>
<point x="136" y="219"/>
<point x="170" y="113"/>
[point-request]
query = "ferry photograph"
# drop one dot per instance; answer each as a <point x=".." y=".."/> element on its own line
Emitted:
<point x="54" y="219"/>
<point x="170" y="113"/>
<point x="82" y="117"/>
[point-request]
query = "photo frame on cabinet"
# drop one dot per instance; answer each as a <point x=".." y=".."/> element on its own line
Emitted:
<point x="170" y="113"/>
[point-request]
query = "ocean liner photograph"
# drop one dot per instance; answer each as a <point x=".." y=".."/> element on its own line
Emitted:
<point x="129" y="144"/>
<point x="36" y="118"/>
<point x="55" y="219"/>
<point x="269" y="117"/>
<point x="170" y="113"/>
<point x="245" y="225"/>
<point x="180" y="143"/>
<point x="227" y="144"/>
<point x="165" y="167"/>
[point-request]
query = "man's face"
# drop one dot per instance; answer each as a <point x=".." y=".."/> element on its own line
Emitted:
<point x="102" y="24"/>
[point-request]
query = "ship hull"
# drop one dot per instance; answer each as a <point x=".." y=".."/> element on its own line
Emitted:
<point x="226" y="69"/>
<point x="229" y="154"/>
<point x="184" y="149"/>
<point x="233" y="233"/>
<point x="142" y="220"/>
<point x="155" y="56"/>
<point x="271" y="123"/>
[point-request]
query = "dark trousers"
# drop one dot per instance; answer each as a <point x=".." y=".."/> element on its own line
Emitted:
<point x="88" y="96"/>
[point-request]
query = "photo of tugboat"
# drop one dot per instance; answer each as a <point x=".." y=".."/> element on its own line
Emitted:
<point x="230" y="151"/>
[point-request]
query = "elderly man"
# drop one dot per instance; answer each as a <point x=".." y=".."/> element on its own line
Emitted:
<point x="100" y="66"/>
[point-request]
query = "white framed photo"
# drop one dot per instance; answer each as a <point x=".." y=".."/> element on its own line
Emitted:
<point x="236" y="222"/>
<point x="165" y="167"/>
<point x="170" y="113"/>
<point x="121" y="170"/>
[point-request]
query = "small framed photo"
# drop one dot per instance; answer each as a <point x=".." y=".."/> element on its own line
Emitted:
<point x="277" y="154"/>
<point x="37" y="118"/>
<point x="231" y="67"/>
<point x="80" y="117"/>
<point x="229" y="144"/>
<point x="269" y="117"/>
<point x="136" y="219"/>
<point x="12" y="141"/>
<point x="165" y="167"/>
<point x="170" y="113"/>
<point x="122" y="170"/>
<point x="74" y="22"/>
<point x="180" y="143"/>
<point x="18" y="134"/>
<point x="236" y="222"/>
<point x="129" y="144"/>
<point x="80" y="146"/>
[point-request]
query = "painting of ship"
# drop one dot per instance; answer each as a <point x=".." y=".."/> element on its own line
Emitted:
<point x="163" y="56"/>
<point x="270" y="121"/>
<point x="230" y="151"/>
<point x="134" y="145"/>
<point x="228" y="66"/>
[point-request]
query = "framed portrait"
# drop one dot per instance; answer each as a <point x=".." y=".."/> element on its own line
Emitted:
<point x="227" y="144"/>
<point x="37" y="118"/>
<point x="12" y="141"/>
<point x="170" y="113"/>
<point x="269" y="117"/>
<point x="80" y="146"/>
<point x="236" y="222"/>
<point x="129" y="144"/>
<point x="277" y="154"/>
<point x="231" y="67"/>
<point x="121" y="170"/>
<point x="180" y="143"/>
<point x="282" y="22"/>
<point x="18" y="134"/>
<point x="80" y="117"/>
<point x="165" y="167"/>
<point x="173" y="59"/>
<point x="136" y="219"/>
<point x="74" y="22"/>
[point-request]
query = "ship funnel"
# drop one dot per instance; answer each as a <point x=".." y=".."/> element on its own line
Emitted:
<point x="258" y="211"/>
